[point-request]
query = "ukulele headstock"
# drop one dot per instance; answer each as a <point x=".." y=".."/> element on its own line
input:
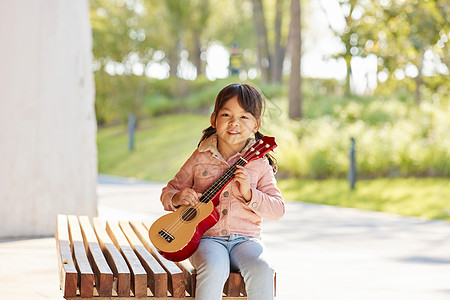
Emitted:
<point x="260" y="148"/>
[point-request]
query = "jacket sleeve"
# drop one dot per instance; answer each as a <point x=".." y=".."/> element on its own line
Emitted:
<point x="267" y="201"/>
<point x="183" y="179"/>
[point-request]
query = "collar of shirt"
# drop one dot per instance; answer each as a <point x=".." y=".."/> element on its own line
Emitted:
<point x="210" y="144"/>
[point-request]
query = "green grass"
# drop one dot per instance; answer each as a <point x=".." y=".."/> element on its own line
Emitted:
<point x="164" y="143"/>
<point x="421" y="197"/>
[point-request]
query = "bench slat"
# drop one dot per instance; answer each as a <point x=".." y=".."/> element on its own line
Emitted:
<point x="176" y="278"/>
<point x="139" y="276"/>
<point x="157" y="276"/>
<point x="125" y="245"/>
<point x="114" y="259"/>
<point x="68" y="275"/>
<point x="233" y="285"/>
<point x="86" y="280"/>
<point x="102" y="273"/>
<point x="190" y="276"/>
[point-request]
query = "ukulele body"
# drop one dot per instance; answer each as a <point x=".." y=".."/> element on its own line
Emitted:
<point x="190" y="228"/>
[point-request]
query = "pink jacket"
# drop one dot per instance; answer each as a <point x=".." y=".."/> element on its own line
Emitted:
<point x="236" y="216"/>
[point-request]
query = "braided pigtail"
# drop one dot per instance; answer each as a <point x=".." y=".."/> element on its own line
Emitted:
<point x="206" y="134"/>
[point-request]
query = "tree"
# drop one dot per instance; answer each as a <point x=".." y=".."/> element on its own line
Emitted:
<point x="264" y="56"/>
<point x="403" y="32"/>
<point x="201" y="11"/>
<point x="276" y="68"/>
<point x="348" y="35"/>
<point x="295" y="46"/>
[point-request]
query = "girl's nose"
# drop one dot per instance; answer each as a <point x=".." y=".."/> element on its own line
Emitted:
<point x="234" y="122"/>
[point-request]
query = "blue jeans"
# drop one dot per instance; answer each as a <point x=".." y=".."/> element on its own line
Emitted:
<point x="216" y="256"/>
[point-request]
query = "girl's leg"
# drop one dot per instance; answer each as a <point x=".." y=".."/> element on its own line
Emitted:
<point x="251" y="259"/>
<point x="211" y="259"/>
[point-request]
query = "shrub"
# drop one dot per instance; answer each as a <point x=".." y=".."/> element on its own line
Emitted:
<point x="393" y="138"/>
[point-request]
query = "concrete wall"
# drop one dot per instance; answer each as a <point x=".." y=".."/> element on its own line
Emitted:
<point x="48" y="154"/>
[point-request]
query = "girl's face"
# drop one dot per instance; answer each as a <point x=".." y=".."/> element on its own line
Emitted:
<point x="234" y="125"/>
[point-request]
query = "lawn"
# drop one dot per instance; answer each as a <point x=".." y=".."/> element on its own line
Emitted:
<point x="164" y="143"/>
<point x="424" y="197"/>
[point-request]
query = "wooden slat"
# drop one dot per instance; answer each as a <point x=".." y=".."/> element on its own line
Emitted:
<point x="86" y="282"/>
<point x="114" y="259"/>
<point x="139" y="276"/>
<point x="68" y="275"/>
<point x="233" y="285"/>
<point x="275" y="284"/>
<point x="190" y="276"/>
<point x="156" y="275"/>
<point x="152" y="298"/>
<point x="176" y="278"/>
<point x="102" y="273"/>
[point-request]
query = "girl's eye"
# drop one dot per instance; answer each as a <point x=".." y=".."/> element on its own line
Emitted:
<point x="225" y="115"/>
<point x="244" y="117"/>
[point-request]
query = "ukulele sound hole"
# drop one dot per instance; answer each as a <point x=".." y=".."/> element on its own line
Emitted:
<point x="189" y="214"/>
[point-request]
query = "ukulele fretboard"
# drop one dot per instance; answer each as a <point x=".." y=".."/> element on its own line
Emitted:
<point x="221" y="181"/>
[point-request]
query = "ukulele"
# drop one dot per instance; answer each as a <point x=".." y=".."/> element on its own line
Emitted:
<point x="177" y="235"/>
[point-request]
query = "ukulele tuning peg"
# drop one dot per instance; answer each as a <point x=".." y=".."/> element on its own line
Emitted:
<point x="267" y="145"/>
<point x="260" y="141"/>
<point x="257" y="152"/>
<point x="252" y="149"/>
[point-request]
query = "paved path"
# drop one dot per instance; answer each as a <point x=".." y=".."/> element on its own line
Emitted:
<point x="320" y="252"/>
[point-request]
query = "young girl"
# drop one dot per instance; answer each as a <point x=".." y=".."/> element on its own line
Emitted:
<point x="234" y="242"/>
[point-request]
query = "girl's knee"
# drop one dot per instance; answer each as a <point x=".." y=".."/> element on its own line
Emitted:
<point x="259" y="268"/>
<point x="218" y="271"/>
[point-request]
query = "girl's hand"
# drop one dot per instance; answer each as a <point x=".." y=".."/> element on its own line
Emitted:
<point x="243" y="179"/>
<point x="186" y="196"/>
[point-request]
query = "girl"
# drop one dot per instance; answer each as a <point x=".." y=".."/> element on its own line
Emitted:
<point x="233" y="243"/>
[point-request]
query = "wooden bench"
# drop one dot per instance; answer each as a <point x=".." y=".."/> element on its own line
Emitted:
<point x="110" y="260"/>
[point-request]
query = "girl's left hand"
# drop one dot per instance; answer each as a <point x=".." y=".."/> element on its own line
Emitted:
<point x="243" y="179"/>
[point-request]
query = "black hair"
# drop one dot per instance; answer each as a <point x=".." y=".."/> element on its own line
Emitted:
<point x="251" y="100"/>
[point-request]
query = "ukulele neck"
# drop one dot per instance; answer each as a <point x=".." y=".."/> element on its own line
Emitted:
<point x="221" y="181"/>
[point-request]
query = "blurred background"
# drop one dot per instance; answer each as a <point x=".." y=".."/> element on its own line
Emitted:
<point x="357" y="92"/>
<point x="98" y="98"/>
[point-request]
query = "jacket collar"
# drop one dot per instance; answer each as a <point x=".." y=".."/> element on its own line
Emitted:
<point x="210" y="144"/>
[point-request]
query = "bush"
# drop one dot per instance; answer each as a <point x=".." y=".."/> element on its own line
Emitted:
<point x="393" y="138"/>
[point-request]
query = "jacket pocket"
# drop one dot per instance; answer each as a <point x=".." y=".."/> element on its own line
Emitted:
<point x="204" y="176"/>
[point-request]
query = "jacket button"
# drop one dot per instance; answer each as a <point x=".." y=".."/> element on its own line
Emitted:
<point x="224" y="232"/>
<point x="225" y="211"/>
<point x="205" y="173"/>
<point x="254" y="204"/>
<point x="226" y="194"/>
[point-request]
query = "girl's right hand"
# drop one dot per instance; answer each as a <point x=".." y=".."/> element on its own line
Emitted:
<point x="186" y="196"/>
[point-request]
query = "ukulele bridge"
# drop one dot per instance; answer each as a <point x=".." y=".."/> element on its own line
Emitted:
<point x="165" y="235"/>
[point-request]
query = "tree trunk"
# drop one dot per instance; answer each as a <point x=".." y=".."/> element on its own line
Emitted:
<point x="348" y="64"/>
<point x="279" y="51"/>
<point x="418" y="78"/>
<point x="174" y="59"/>
<point x="262" y="40"/>
<point x="295" y="44"/>
<point x="197" y="53"/>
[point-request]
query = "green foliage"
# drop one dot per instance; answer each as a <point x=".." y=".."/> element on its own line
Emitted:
<point x="164" y="143"/>
<point x="399" y="33"/>
<point x="393" y="137"/>
<point x="421" y="197"/>
<point x="145" y="97"/>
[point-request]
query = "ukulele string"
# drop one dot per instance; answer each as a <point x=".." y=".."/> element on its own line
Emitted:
<point x="174" y="226"/>
<point x="210" y="192"/>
